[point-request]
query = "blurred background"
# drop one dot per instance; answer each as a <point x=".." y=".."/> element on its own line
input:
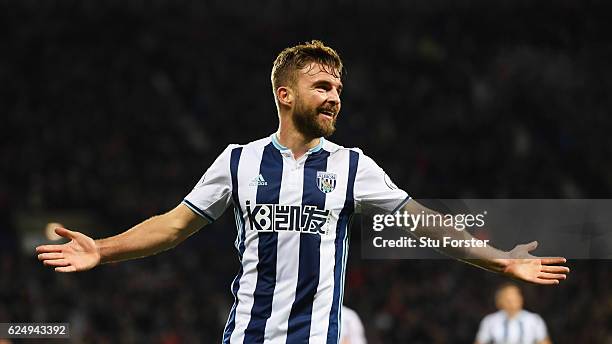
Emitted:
<point x="111" y="111"/>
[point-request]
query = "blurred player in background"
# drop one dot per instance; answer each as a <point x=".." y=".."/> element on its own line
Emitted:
<point x="352" y="328"/>
<point x="511" y="324"/>
<point x="293" y="193"/>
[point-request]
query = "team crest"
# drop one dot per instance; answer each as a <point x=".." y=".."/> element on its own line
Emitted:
<point x="326" y="181"/>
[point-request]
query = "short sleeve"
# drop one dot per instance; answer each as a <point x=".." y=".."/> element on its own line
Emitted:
<point x="541" y="332"/>
<point x="484" y="333"/>
<point x="375" y="190"/>
<point x="212" y="194"/>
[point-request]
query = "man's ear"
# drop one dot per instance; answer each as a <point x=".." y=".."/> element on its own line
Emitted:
<point x="285" y="96"/>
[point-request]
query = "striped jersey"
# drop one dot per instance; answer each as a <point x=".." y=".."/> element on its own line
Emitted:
<point x="524" y="328"/>
<point x="352" y="328"/>
<point x="292" y="218"/>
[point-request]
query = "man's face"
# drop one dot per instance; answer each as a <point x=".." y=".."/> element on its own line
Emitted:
<point x="317" y="101"/>
<point x="510" y="299"/>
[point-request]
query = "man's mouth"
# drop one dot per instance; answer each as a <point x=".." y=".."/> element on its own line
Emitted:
<point x="328" y="113"/>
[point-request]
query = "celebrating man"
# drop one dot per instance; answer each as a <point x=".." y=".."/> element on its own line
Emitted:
<point x="293" y="194"/>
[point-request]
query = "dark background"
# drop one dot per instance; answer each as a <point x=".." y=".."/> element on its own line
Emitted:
<point x="113" y="110"/>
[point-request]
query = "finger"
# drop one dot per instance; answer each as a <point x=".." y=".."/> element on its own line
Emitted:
<point x="56" y="262"/>
<point x="53" y="255"/>
<point x="549" y="276"/>
<point x="49" y="248"/>
<point x="70" y="268"/>
<point x="546" y="281"/>
<point x="555" y="269"/>
<point x="554" y="260"/>
<point x="63" y="232"/>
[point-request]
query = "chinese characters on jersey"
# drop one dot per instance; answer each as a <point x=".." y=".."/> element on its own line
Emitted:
<point x="291" y="218"/>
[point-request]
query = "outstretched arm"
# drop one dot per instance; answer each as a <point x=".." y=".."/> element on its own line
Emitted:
<point x="152" y="236"/>
<point x="517" y="263"/>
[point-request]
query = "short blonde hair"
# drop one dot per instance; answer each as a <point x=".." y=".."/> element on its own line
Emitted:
<point x="290" y="60"/>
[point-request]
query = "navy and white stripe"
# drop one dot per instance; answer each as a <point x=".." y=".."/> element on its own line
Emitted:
<point x="271" y="168"/>
<point x="309" y="255"/>
<point x="234" y="159"/>
<point x="290" y="285"/>
<point x="341" y="252"/>
<point x="523" y="328"/>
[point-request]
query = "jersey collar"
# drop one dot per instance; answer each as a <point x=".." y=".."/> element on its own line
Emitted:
<point x="283" y="149"/>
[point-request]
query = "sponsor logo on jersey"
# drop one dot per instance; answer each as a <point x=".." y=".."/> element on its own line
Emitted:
<point x="288" y="218"/>
<point x="326" y="181"/>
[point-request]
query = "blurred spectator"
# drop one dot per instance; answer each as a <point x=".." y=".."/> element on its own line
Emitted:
<point x="352" y="331"/>
<point x="511" y="324"/>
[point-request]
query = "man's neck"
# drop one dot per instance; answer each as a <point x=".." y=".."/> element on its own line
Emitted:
<point x="511" y="315"/>
<point x="295" y="141"/>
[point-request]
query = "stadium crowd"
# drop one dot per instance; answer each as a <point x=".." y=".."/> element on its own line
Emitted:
<point x="118" y="107"/>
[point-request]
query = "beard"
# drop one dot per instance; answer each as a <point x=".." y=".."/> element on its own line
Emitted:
<point x="306" y="120"/>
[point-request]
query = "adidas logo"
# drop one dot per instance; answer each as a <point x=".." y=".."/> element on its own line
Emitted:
<point x="257" y="181"/>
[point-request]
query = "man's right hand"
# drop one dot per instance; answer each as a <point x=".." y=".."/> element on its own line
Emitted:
<point x="79" y="254"/>
<point x="154" y="235"/>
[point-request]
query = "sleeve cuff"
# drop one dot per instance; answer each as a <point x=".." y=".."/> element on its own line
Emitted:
<point x="198" y="211"/>
<point x="401" y="205"/>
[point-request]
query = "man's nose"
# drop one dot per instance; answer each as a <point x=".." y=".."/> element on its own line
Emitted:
<point x="334" y="97"/>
